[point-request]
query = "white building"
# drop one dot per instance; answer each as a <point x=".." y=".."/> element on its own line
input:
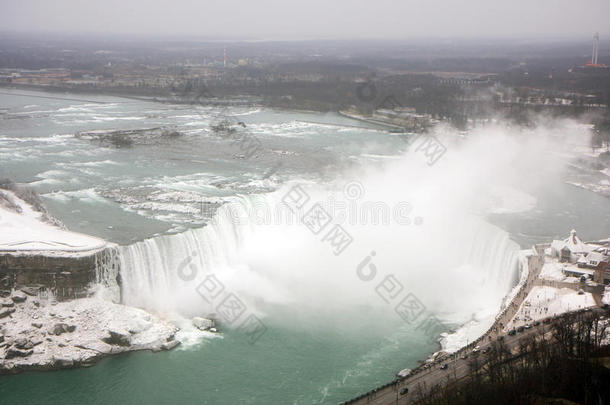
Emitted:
<point x="571" y="249"/>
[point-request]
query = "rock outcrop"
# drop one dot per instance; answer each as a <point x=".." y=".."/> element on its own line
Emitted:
<point x="48" y="335"/>
<point x="203" y="323"/>
<point x="39" y="257"/>
<point x="49" y="316"/>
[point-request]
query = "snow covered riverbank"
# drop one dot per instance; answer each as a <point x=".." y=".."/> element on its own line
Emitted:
<point x="543" y="302"/>
<point x="478" y="326"/>
<point x="43" y="335"/>
<point x="40" y="263"/>
<point x="25" y="231"/>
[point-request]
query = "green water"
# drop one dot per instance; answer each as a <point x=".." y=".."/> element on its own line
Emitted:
<point x="295" y="365"/>
<point x="302" y="359"/>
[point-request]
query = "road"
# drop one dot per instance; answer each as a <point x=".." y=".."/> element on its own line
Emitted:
<point x="457" y="367"/>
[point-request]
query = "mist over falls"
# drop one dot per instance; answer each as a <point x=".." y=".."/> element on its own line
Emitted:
<point x="422" y="225"/>
<point x="270" y="266"/>
<point x="266" y="203"/>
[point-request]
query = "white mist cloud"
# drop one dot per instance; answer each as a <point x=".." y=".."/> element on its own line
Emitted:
<point x="454" y="262"/>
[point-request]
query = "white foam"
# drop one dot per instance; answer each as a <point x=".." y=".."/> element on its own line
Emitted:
<point x="88" y="195"/>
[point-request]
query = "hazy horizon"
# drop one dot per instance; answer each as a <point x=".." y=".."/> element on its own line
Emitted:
<point x="272" y="20"/>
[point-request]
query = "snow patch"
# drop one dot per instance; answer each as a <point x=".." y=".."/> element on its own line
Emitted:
<point x="26" y="233"/>
<point x="544" y="301"/>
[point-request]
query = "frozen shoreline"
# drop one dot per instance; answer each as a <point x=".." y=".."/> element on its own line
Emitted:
<point x="472" y="330"/>
<point x="40" y="334"/>
<point x="24" y="232"/>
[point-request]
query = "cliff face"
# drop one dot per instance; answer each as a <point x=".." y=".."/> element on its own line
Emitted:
<point x="62" y="277"/>
<point x="38" y="253"/>
<point x="41" y="263"/>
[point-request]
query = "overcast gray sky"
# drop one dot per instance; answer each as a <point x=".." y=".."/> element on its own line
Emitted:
<point x="312" y="19"/>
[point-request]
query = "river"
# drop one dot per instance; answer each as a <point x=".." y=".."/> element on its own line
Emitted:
<point x="329" y="333"/>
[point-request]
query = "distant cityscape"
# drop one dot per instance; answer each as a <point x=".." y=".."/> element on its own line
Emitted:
<point x="456" y="84"/>
<point x="270" y="202"/>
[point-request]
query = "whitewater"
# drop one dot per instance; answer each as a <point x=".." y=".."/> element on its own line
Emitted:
<point x="198" y="224"/>
<point x="422" y="229"/>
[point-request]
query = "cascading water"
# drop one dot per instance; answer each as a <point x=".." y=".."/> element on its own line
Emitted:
<point x="493" y="251"/>
<point x="107" y="273"/>
<point x="255" y="253"/>
<point x="459" y="265"/>
<point x="160" y="273"/>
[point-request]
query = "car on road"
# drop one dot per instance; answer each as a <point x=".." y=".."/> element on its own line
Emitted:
<point x="476" y="349"/>
<point x="520" y="329"/>
<point x="404" y="391"/>
<point x="444" y="366"/>
<point x="536" y="323"/>
<point x="464" y="356"/>
<point x="512" y="332"/>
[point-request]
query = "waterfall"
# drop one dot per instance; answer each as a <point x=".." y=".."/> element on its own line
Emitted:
<point x="254" y="252"/>
<point x="158" y="273"/>
<point x="494" y="251"/>
<point x="107" y="273"/>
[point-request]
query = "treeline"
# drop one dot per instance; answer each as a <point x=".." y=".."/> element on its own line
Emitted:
<point x="564" y="366"/>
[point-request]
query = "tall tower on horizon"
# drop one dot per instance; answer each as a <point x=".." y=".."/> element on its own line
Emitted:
<point x="595" y="48"/>
<point x="225" y="56"/>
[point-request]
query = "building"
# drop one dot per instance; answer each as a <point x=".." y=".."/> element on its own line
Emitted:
<point x="406" y="117"/>
<point x="598" y="261"/>
<point x="570" y="249"/>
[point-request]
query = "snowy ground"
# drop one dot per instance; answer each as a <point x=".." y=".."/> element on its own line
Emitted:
<point x="553" y="270"/>
<point x="472" y="330"/>
<point x="22" y="231"/>
<point x="465" y="334"/>
<point x="544" y="301"/>
<point x="606" y="298"/>
<point x="39" y="334"/>
<point x="42" y="334"/>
